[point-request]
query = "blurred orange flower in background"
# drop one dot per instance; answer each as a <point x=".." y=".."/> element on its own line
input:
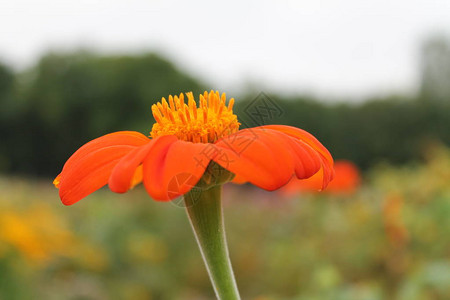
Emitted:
<point x="185" y="142"/>
<point x="346" y="181"/>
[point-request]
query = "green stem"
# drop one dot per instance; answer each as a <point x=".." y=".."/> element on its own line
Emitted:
<point x="205" y="214"/>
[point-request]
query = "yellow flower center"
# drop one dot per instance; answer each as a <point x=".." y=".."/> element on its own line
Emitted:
<point x="208" y="122"/>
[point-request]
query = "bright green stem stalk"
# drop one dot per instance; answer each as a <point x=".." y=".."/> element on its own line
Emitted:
<point x="205" y="214"/>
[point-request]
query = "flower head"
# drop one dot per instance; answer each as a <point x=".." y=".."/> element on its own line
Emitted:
<point x="207" y="123"/>
<point x="193" y="145"/>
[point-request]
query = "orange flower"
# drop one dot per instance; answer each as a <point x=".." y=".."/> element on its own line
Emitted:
<point x="185" y="143"/>
<point x="346" y="180"/>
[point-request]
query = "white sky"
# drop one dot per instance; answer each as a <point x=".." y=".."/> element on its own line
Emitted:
<point x="329" y="47"/>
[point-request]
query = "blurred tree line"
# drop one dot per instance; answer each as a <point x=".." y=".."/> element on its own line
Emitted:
<point x="67" y="99"/>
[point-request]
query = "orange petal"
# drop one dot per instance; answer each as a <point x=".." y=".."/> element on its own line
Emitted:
<point x="307" y="161"/>
<point x="173" y="167"/>
<point x="89" y="168"/>
<point x="121" y="179"/>
<point x="306" y="137"/>
<point x="238" y="179"/>
<point x="89" y="173"/>
<point x="131" y="138"/>
<point x="328" y="174"/>
<point x="137" y="177"/>
<point x="261" y="157"/>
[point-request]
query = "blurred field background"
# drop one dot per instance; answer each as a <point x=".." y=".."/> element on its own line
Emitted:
<point x="387" y="239"/>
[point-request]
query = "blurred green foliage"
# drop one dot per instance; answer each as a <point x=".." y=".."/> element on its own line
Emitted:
<point x="388" y="240"/>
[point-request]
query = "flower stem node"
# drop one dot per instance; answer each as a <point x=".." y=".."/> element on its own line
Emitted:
<point x="214" y="175"/>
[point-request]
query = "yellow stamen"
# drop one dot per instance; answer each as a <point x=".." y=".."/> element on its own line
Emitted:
<point x="160" y="107"/>
<point x="192" y="105"/>
<point x="230" y="104"/>
<point x="172" y="106"/>
<point x="206" y="122"/>
<point x="164" y="102"/>
<point x="157" y="114"/>
<point x="181" y="99"/>
<point x="186" y="112"/>
<point x="182" y="117"/>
